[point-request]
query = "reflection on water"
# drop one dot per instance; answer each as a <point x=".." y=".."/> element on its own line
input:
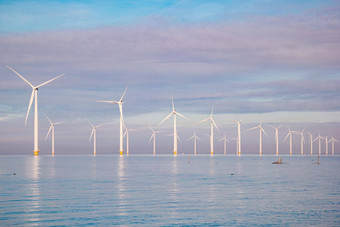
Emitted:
<point x="34" y="205"/>
<point x="121" y="186"/>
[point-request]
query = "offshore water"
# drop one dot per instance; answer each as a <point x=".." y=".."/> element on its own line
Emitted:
<point x="166" y="190"/>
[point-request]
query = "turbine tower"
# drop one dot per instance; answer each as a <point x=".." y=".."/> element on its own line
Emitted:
<point x="34" y="95"/>
<point x="261" y="130"/>
<point x="319" y="138"/>
<point x="175" y="113"/>
<point x="332" y="140"/>
<point x="52" y="129"/>
<point x="276" y="138"/>
<point x="238" y="143"/>
<point x="195" y="137"/>
<point x="212" y="124"/>
<point x="121" y="121"/>
<point x="94" y="134"/>
<point x="153" y="136"/>
<point x="225" y="140"/>
<point x="126" y="133"/>
<point x="311" y="143"/>
<point x="290" y="141"/>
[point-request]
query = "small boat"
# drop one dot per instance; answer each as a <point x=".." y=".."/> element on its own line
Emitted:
<point x="278" y="161"/>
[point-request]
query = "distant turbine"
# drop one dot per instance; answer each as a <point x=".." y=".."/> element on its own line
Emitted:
<point x="276" y="138"/>
<point x="153" y="136"/>
<point x="326" y="144"/>
<point x="121" y="121"/>
<point x="212" y="124"/>
<point x="332" y="140"/>
<point x="34" y="95"/>
<point x="127" y="138"/>
<point x="311" y="143"/>
<point x="319" y="138"/>
<point x="195" y="137"/>
<point x="261" y="130"/>
<point x="94" y="134"/>
<point x="225" y="140"/>
<point x="175" y="113"/>
<point x="238" y="143"/>
<point x="302" y="139"/>
<point x="290" y="141"/>
<point x="52" y="129"/>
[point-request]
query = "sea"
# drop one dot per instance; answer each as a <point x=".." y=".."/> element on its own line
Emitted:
<point x="166" y="190"/>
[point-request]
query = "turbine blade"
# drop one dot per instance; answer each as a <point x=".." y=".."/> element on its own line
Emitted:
<point x="212" y="111"/>
<point x="153" y="134"/>
<point x="121" y="98"/>
<point x="29" y="105"/>
<point x="190" y="138"/>
<point x="181" y="115"/>
<point x="166" y="118"/>
<point x="172" y="103"/>
<point x="60" y="122"/>
<point x="212" y="120"/>
<point x="204" y="120"/>
<point x="100" y="125"/>
<point x="108" y="101"/>
<point x="48" y="118"/>
<point x="40" y="85"/>
<point x="91" y="134"/>
<point x="264" y="131"/>
<point x="90" y="123"/>
<point x="20" y="76"/>
<point x="286" y="136"/>
<point x="48" y="131"/>
<point x="253" y="128"/>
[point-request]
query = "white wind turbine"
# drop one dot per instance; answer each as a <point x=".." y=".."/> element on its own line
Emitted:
<point x="127" y="138"/>
<point x="225" y="141"/>
<point x="52" y="129"/>
<point x="238" y="142"/>
<point x="195" y="137"/>
<point x="94" y="134"/>
<point x="326" y="143"/>
<point x="121" y="120"/>
<point x="319" y="138"/>
<point x="175" y="113"/>
<point x="332" y="140"/>
<point x="153" y="136"/>
<point x="261" y="130"/>
<point x="311" y="143"/>
<point x="212" y="124"/>
<point x="34" y="95"/>
<point x="302" y="139"/>
<point x="276" y="138"/>
<point x="290" y="141"/>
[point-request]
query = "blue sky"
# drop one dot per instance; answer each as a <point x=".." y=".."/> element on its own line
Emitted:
<point x="271" y="61"/>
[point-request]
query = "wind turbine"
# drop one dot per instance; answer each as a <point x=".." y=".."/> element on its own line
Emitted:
<point x="153" y="136"/>
<point x="311" y="143"/>
<point x="52" y="129"/>
<point x="332" y="140"/>
<point x="326" y="144"/>
<point x="175" y="113"/>
<point x="121" y="121"/>
<point x="290" y="140"/>
<point x="34" y="95"/>
<point x="238" y="143"/>
<point x="225" y="140"/>
<point x="261" y="130"/>
<point x="276" y="138"/>
<point x="302" y="140"/>
<point x="212" y="124"/>
<point x="195" y="137"/>
<point x="127" y="138"/>
<point x="94" y="134"/>
<point x="319" y="138"/>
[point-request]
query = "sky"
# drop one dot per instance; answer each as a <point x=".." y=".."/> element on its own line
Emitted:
<point x="270" y="61"/>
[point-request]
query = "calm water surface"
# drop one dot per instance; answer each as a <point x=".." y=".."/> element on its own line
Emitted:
<point x="167" y="191"/>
